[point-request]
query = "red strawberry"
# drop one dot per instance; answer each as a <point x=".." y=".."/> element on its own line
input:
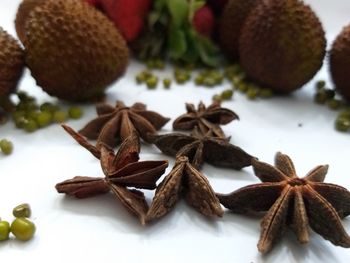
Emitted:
<point x="128" y="15"/>
<point x="204" y="21"/>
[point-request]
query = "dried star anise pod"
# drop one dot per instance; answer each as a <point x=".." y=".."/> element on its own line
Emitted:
<point x="207" y="119"/>
<point x="201" y="148"/>
<point x="115" y="124"/>
<point x="121" y="170"/>
<point x="184" y="180"/>
<point x="294" y="202"/>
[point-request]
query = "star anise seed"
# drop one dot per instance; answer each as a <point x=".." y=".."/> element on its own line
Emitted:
<point x="205" y="118"/>
<point x="200" y="149"/>
<point x="115" y="124"/>
<point x="184" y="180"/>
<point x="294" y="202"/>
<point x="121" y="170"/>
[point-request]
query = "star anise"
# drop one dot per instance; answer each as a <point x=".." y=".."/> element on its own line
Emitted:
<point x="121" y="170"/>
<point x="184" y="180"/>
<point x="294" y="202"/>
<point x="115" y="124"/>
<point x="201" y="148"/>
<point x="206" y="119"/>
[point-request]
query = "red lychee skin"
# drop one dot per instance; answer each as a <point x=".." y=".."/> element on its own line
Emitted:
<point x="204" y="21"/>
<point x="128" y="15"/>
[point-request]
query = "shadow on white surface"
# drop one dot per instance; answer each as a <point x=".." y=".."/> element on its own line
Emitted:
<point x="108" y="209"/>
<point x="105" y="208"/>
<point x="316" y="249"/>
<point x="245" y="174"/>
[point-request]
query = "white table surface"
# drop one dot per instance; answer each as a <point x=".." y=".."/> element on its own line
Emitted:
<point x="100" y="229"/>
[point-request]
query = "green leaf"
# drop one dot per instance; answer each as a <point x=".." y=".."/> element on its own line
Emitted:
<point x="198" y="4"/>
<point x="179" y="10"/>
<point x="159" y="4"/>
<point x="153" y="18"/>
<point x="209" y="53"/>
<point x="194" y="6"/>
<point x="192" y="52"/>
<point x="164" y="19"/>
<point x="177" y="43"/>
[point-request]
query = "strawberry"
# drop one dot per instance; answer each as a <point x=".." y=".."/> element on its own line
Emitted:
<point x="204" y="21"/>
<point x="128" y="15"/>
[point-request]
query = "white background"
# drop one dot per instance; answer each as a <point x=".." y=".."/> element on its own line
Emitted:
<point x="98" y="229"/>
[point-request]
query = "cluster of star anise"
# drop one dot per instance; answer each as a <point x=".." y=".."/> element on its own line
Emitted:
<point x="205" y="143"/>
<point x="123" y="173"/>
<point x="286" y="200"/>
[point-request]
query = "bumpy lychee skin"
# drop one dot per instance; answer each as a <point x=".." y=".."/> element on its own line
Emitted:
<point x="22" y="15"/>
<point x="11" y="63"/>
<point x="73" y="51"/>
<point x="282" y="44"/>
<point x="340" y="63"/>
<point x="231" y="22"/>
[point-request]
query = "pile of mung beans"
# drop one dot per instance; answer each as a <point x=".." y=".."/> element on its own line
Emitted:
<point x="21" y="227"/>
<point x="207" y="77"/>
<point x="30" y="116"/>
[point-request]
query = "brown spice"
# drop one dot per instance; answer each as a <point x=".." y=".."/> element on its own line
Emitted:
<point x="184" y="180"/>
<point x="121" y="170"/>
<point x="115" y="124"/>
<point x="294" y="202"/>
<point x="203" y="148"/>
<point x="207" y="119"/>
